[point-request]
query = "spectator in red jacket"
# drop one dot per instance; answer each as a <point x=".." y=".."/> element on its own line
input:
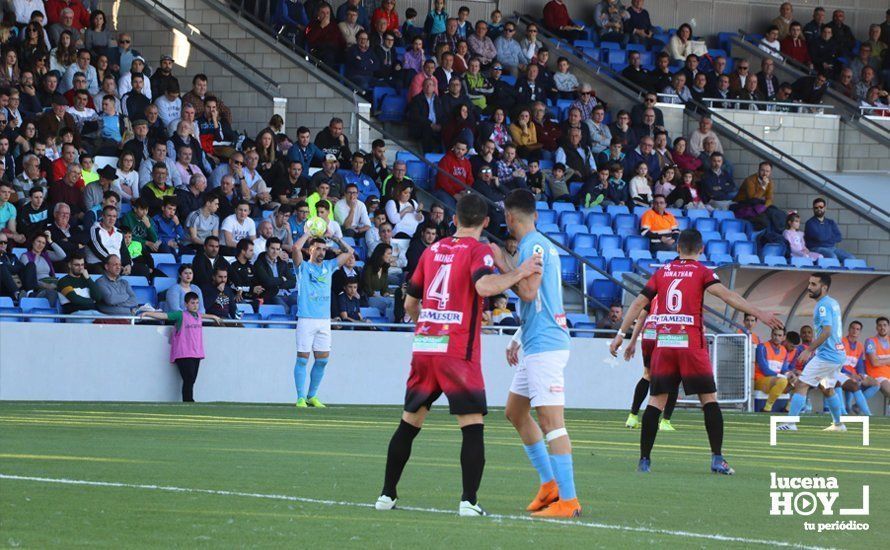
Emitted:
<point x="387" y="10"/>
<point x="454" y="164"/>
<point x="557" y="21"/>
<point x="54" y="13"/>
<point x="795" y="45"/>
<point x="324" y="37"/>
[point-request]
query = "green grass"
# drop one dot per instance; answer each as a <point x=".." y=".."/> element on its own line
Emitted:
<point x="339" y="453"/>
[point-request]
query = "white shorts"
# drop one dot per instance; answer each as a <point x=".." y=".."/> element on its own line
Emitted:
<point x="820" y="371"/>
<point x="841" y="377"/>
<point x="540" y="378"/>
<point x="313" y="335"/>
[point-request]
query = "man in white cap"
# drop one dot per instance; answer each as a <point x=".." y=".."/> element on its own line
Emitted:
<point x="328" y="174"/>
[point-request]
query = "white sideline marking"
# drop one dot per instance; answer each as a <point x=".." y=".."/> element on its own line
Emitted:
<point x="722" y="538"/>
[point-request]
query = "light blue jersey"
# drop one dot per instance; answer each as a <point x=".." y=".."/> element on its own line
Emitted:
<point x="828" y="313"/>
<point x="544" y="319"/>
<point x="314" y="284"/>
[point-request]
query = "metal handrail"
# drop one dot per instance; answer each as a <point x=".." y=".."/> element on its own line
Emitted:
<point x="711" y="100"/>
<point x="133" y="319"/>
<point x="876" y="131"/>
<point x="192" y="30"/>
<point x="863" y="108"/>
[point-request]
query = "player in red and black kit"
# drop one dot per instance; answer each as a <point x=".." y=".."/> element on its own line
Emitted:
<point x="445" y="300"/>
<point x="681" y="351"/>
<point x="646" y="325"/>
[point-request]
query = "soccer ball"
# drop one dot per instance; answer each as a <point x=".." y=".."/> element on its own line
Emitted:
<point x="316" y="226"/>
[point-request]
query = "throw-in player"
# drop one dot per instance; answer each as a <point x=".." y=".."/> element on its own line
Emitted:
<point x="827" y="352"/>
<point x="645" y="325"/>
<point x="314" y="313"/>
<point x="538" y="379"/>
<point x="681" y="351"/>
<point x="444" y="298"/>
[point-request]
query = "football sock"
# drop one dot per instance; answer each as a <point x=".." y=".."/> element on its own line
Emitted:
<point x="834" y="405"/>
<point x="798" y="402"/>
<point x="714" y="426"/>
<point x="300" y="376"/>
<point x="316" y="375"/>
<point x="472" y="460"/>
<point x="640" y="393"/>
<point x="868" y="392"/>
<point x="669" y="406"/>
<point x="649" y="430"/>
<point x="537" y="455"/>
<point x="862" y="402"/>
<point x="565" y="475"/>
<point x="397" y="456"/>
<point x="842" y="397"/>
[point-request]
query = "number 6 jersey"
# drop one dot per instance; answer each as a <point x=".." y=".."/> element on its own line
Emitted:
<point x="680" y="288"/>
<point x="451" y="310"/>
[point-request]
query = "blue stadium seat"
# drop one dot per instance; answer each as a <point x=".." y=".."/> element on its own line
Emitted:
<point x="601" y="230"/>
<point x="567" y="217"/>
<point x="42" y="311"/>
<point x="723" y="215"/>
<point x="369" y="312"/>
<point x="646" y="265"/>
<point x="748" y="259"/>
<point x="280" y="317"/>
<point x="546" y="164"/>
<point x="604" y="291"/>
<point x="572" y="318"/>
<point x="573" y="229"/>
<point x="10" y="309"/>
<point x="775" y="260"/>
<point x="548" y="228"/>
<point x="665" y="256"/>
<point x="707" y="236"/>
<point x="251" y="317"/>
<point x="6" y="301"/>
<point x="563" y="207"/>
<point x="695" y="213"/>
<point x="744" y="247"/>
<point x="161" y="284"/>
<point x="392" y="108"/>
<point x="676" y="212"/>
<point x="584" y="44"/>
<point x="28" y="304"/>
<point x="720" y="259"/>
<point x="170" y="269"/>
<point x="583" y="240"/>
<point x="724" y="40"/>
<point x="610" y="253"/>
<point x="163" y="258"/>
<point x="587" y="327"/>
<point x="187" y="258"/>
<point x="575" y="188"/>
<point x="266" y="310"/>
<point x="614" y="209"/>
<point x="800" y="261"/>
<point x="146" y="295"/>
<point x="569" y="269"/>
<point x="509" y="79"/>
<point x="379" y="93"/>
<point x="828" y="263"/>
<point x="607" y="242"/>
<point x="635" y="47"/>
<point x="683" y="223"/>
<point x="559" y="237"/>
<point x="855" y="263"/>
<point x="773" y="249"/>
<point x="636" y="255"/>
<point x="433" y="158"/>
<point x="706" y="224"/>
<point x="610" y="46"/>
<point x="419" y="172"/>
<point x="636" y="242"/>
<point x="734" y="237"/>
<point x="592" y="275"/>
<point x="542" y="205"/>
<point x="599" y="218"/>
<point x="585" y="251"/>
<point x="624" y="221"/>
<point x="617" y="265"/>
<point x="638" y="211"/>
<point x="734" y="226"/>
<point x="717" y="247"/>
<point x="546" y="216"/>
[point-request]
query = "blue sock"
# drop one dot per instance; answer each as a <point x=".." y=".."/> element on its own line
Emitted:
<point x="862" y="402"/>
<point x="798" y="402"/>
<point x="842" y="397"/>
<point x="565" y="475"/>
<point x="300" y="376"/>
<point x="316" y="375"/>
<point x="868" y="392"/>
<point x="834" y="405"/>
<point x="537" y="455"/>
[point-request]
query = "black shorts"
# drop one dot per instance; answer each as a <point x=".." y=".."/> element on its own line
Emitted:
<point x="670" y="366"/>
<point x="460" y="380"/>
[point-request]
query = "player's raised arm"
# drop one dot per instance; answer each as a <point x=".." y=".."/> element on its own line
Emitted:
<point x="734" y="300"/>
<point x="489" y="285"/>
<point x="297" y="251"/>
<point x="345" y="251"/>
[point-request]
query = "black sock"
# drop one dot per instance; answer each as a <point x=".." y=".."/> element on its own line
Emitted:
<point x="669" y="406"/>
<point x="640" y="393"/>
<point x="649" y="430"/>
<point x="472" y="460"/>
<point x="714" y="426"/>
<point x="397" y="456"/>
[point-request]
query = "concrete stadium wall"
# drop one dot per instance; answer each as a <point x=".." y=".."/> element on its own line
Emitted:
<point x="81" y="362"/>
<point x="862" y="238"/>
<point x="311" y="99"/>
<point x="858" y="152"/>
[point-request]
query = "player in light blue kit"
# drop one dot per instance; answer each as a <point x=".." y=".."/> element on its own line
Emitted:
<point x="314" y="313"/>
<point x="828" y="358"/>
<point x="538" y="379"/>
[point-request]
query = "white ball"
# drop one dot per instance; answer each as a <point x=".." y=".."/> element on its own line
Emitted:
<point x="317" y="226"/>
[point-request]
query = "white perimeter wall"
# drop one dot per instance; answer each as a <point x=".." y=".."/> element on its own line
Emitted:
<point x="71" y="362"/>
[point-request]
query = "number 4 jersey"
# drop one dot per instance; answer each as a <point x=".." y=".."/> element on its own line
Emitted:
<point x="680" y="288"/>
<point x="451" y="310"/>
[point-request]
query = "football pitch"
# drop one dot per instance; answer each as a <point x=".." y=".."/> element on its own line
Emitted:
<point x="224" y="475"/>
